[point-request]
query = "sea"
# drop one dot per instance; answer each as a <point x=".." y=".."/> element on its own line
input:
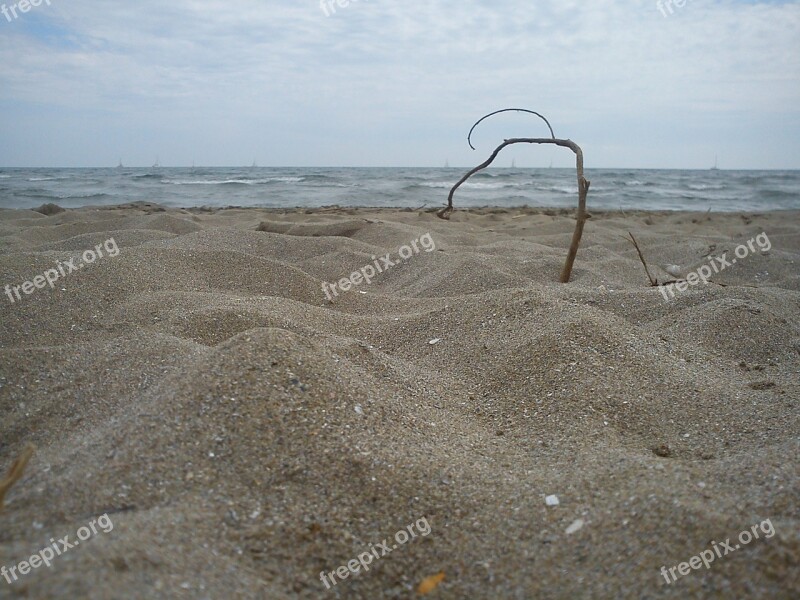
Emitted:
<point x="289" y="187"/>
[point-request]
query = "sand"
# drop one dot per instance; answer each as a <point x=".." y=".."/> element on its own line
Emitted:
<point x="244" y="433"/>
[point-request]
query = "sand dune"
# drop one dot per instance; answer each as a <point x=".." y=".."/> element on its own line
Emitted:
<point x="244" y="433"/>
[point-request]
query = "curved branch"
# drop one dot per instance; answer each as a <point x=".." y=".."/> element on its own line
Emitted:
<point x="583" y="191"/>
<point x="525" y="110"/>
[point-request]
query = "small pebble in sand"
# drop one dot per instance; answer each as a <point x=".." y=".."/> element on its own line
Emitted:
<point x="576" y="526"/>
<point x="552" y="501"/>
<point x="673" y="270"/>
<point x="359" y="410"/>
<point x="435" y="341"/>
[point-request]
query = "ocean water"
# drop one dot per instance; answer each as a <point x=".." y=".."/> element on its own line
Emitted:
<point x="612" y="189"/>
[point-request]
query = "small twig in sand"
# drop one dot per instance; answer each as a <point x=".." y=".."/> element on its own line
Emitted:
<point x="653" y="282"/>
<point x="15" y="472"/>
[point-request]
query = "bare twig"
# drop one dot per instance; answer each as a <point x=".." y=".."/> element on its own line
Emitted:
<point x="653" y="282"/>
<point x="583" y="191"/>
<point x="583" y="183"/>
<point x="15" y="472"/>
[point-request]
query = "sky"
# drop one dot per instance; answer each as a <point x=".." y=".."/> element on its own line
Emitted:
<point x="399" y="83"/>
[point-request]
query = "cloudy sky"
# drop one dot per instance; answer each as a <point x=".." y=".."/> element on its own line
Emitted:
<point x="398" y="82"/>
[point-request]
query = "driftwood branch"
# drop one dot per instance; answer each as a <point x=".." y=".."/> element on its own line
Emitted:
<point x="15" y="472"/>
<point x="583" y="190"/>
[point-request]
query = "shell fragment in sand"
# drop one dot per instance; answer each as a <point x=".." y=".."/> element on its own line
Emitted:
<point x="576" y="526"/>
<point x="673" y="270"/>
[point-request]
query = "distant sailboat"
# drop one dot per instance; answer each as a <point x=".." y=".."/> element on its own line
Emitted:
<point x="254" y="165"/>
<point x="157" y="164"/>
<point x="716" y="166"/>
<point x="551" y="164"/>
<point x="447" y="164"/>
<point x="513" y="163"/>
<point x="120" y="165"/>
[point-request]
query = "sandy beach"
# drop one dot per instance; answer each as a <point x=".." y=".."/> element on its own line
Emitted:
<point x="249" y="431"/>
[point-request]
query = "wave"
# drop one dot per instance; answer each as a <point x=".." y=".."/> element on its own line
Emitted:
<point x="704" y="186"/>
<point x="211" y="182"/>
<point x="42" y="195"/>
<point x="777" y="194"/>
<point x="83" y="196"/>
<point x="467" y="185"/>
<point x="559" y="189"/>
<point x="791" y="176"/>
<point x="620" y="182"/>
<point x="45" y="195"/>
<point x="5" y="176"/>
<point x="749" y="179"/>
<point x="512" y="174"/>
<point x="486" y="186"/>
<point x="287" y="179"/>
<point x="335" y="185"/>
<point x="237" y="181"/>
<point x="318" y="177"/>
<point x="431" y="184"/>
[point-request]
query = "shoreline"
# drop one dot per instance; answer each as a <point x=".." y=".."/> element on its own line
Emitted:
<point x="478" y="210"/>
